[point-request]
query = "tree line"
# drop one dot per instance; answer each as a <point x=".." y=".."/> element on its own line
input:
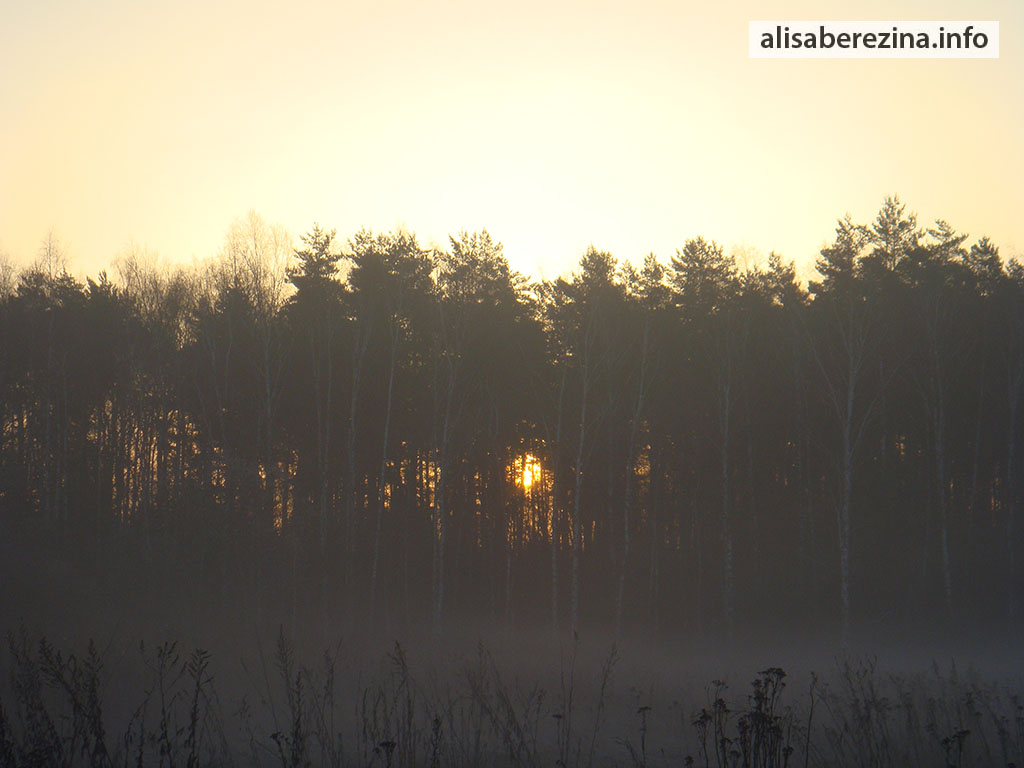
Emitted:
<point x="382" y="432"/>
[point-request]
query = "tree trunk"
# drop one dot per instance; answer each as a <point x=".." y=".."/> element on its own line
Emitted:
<point x="382" y="475"/>
<point x="627" y="501"/>
<point x="577" y="529"/>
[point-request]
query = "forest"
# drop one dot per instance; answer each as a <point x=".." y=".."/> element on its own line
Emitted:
<point x="380" y="434"/>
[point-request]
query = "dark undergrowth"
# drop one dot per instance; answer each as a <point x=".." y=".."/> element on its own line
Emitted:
<point x="80" y="708"/>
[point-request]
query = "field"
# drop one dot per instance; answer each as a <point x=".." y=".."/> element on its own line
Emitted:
<point x="505" y="701"/>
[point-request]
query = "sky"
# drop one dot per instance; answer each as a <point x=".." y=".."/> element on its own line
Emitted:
<point x="554" y="124"/>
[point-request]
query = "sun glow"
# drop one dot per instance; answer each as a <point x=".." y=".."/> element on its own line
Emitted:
<point x="531" y="471"/>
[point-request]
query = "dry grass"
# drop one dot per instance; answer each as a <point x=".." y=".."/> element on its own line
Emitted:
<point x="342" y="712"/>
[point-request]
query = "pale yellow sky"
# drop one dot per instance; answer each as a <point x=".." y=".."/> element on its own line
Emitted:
<point x="552" y="123"/>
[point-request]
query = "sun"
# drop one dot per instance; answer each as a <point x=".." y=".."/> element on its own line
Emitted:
<point x="531" y="470"/>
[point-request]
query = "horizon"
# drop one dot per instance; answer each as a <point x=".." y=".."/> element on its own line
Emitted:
<point x="745" y="257"/>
